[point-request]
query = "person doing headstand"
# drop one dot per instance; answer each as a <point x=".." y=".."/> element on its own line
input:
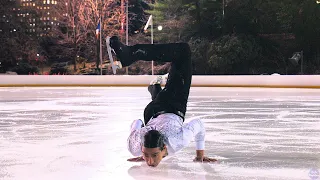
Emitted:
<point x="163" y="131"/>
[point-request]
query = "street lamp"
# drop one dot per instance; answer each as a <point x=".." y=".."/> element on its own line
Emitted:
<point x="297" y="56"/>
<point x="149" y="22"/>
<point x="40" y="60"/>
<point x="127" y="30"/>
<point x="223" y="8"/>
<point x="318" y="2"/>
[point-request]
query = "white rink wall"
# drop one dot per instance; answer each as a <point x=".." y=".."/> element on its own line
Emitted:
<point x="275" y="81"/>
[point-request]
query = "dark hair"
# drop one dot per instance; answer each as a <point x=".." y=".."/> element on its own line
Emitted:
<point x="154" y="139"/>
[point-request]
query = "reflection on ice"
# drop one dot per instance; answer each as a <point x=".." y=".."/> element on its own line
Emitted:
<point x="80" y="133"/>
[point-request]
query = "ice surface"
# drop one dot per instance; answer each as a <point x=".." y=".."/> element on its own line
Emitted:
<point x="80" y="133"/>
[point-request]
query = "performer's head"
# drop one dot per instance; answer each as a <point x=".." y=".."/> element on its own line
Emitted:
<point x="154" y="148"/>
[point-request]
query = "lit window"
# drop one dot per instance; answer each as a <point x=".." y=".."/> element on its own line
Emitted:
<point x="48" y="18"/>
<point x="48" y="1"/>
<point x="48" y="7"/>
<point x="30" y="24"/>
<point x="51" y="22"/>
<point x="34" y="4"/>
<point x="41" y="18"/>
<point x="45" y="8"/>
<point x="34" y="24"/>
<point x="34" y="30"/>
<point x="48" y="28"/>
<point x="34" y="20"/>
<point x="44" y="2"/>
<point x="48" y="13"/>
<point x="55" y="18"/>
<point x="27" y="14"/>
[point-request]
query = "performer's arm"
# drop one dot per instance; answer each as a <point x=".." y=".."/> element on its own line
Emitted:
<point x="195" y="129"/>
<point x="134" y="139"/>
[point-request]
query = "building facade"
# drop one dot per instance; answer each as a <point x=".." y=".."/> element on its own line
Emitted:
<point x="33" y="17"/>
<point x="38" y="15"/>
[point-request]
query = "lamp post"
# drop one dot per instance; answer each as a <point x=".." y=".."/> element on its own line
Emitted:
<point x="39" y="59"/>
<point x="301" y="62"/>
<point x="101" y="25"/>
<point x="125" y="3"/>
<point x="223" y="8"/>
<point x="127" y="30"/>
<point x="149" y="22"/>
<point x="297" y="56"/>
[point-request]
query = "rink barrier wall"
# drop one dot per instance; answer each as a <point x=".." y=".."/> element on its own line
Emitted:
<point x="267" y="81"/>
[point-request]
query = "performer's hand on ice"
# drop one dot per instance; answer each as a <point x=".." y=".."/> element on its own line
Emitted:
<point x="201" y="158"/>
<point x="136" y="159"/>
<point x="204" y="159"/>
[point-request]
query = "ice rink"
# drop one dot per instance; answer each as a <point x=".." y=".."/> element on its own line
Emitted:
<point x="80" y="133"/>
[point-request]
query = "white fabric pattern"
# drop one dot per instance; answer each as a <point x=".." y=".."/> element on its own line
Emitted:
<point x="177" y="134"/>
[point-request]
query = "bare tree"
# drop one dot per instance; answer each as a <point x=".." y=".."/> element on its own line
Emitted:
<point x="78" y="20"/>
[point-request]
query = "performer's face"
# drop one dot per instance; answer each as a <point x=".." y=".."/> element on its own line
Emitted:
<point x="153" y="156"/>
